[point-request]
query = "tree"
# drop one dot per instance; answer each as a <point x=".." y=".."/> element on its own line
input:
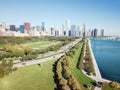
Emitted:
<point x="1" y="71"/>
<point x="114" y="84"/>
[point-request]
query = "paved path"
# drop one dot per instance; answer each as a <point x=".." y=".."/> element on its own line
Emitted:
<point x="98" y="77"/>
<point x="97" y="72"/>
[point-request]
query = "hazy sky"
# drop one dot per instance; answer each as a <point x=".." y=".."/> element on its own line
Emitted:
<point x="100" y="14"/>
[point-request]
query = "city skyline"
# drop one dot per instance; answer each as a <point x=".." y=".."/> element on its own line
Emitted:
<point x="100" y="14"/>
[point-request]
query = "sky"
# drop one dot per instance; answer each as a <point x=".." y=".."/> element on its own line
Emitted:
<point x="100" y="14"/>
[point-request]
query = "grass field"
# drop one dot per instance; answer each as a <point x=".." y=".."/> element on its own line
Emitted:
<point x="41" y="44"/>
<point x="82" y="79"/>
<point x="30" y="78"/>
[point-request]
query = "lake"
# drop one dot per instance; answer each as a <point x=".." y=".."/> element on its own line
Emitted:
<point x="107" y="55"/>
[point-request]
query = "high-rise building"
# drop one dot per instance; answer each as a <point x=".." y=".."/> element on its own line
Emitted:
<point x="52" y="31"/>
<point x="73" y="30"/>
<point x="27" y="27"/>
<point x="38" y="28"/>
<point x="62" y="29"/>
<point x="84" y="30"/>
<point x="56" y="33"/>
<point x="69" y="33"/>
<point x="89" y="33"/>
<point x="102" y="33"/>
<point x="22" y="28"/>
<point x="78" y="31"/>
<point x="92" y="33"/>
<point x="43" y="26"/>
<point x="12" y="28"/>
<point x="67" y="26"/>
<point x="95" y="32"/>
<point x="3" y="24"/>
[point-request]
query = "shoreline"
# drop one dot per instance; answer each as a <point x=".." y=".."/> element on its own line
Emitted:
<point x="98" y="76"/>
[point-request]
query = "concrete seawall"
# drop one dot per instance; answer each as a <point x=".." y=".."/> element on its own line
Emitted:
<point x="98" y="76"/>
<point x="97" y="71"/>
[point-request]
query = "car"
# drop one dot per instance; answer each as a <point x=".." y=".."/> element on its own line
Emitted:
<point x="23" y="63"/>
<point x="88" y="73"/>
<point x="98" y="84"/>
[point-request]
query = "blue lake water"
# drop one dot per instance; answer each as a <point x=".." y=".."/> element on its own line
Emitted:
<point x="107" y="55"/>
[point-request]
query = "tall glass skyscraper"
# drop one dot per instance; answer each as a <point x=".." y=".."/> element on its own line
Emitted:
<point x="73" y="30"/>
<point x="84" y="30"/>
<point x="43" y="26"/>
<point x="12" y="27"/>
<point x="102" y="33"/>
<point x="67" y="26"/>
<point x="22" y="28"/>
<point x="95" y="32"/>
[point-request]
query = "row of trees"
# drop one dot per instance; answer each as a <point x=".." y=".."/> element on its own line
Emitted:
<point x="88" y="63"/>
<point x="85" y="59"/>
<point x="81" y="56"/>
<point x="6" y="67"/>
<point x="64" y="77"/>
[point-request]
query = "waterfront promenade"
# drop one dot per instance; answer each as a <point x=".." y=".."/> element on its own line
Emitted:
<point x="97" y="77"/>
<point x="97" y="71"/>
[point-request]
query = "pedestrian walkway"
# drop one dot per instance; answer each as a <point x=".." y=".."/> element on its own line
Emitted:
<point x="97" y="77"/>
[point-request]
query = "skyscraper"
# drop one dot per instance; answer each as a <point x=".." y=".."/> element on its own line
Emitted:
<point x="12" y="27"/>
<point x="78" y="31"/>
<point x="62" y="29"/>
<point x="43" y="26"/>
<point x="95" y="32"/>
<point x="38" y="28"/>
<point x="27" y="27"/>
<point x="73" y="30"/>
<point x="84" y="30"/>
<point x="22" y="28"/>
<point x="52" y="31"/>
<point x="102" y="33"/>
<point x="67" y="26"/>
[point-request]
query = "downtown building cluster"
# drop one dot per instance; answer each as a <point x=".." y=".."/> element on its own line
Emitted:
<point x="40" y="30"/>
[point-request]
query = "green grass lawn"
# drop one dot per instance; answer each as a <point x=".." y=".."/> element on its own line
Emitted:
<point x="82" y="79"/>
<point x="41" y="44"/>
<point x="30" y="78"/>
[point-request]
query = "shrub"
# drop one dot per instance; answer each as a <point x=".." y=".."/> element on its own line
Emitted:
<point x="63" y="82"/>
<point x="114" y="84"/>
<point x="66" y="72"/>
<point x="15" y="69"/>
